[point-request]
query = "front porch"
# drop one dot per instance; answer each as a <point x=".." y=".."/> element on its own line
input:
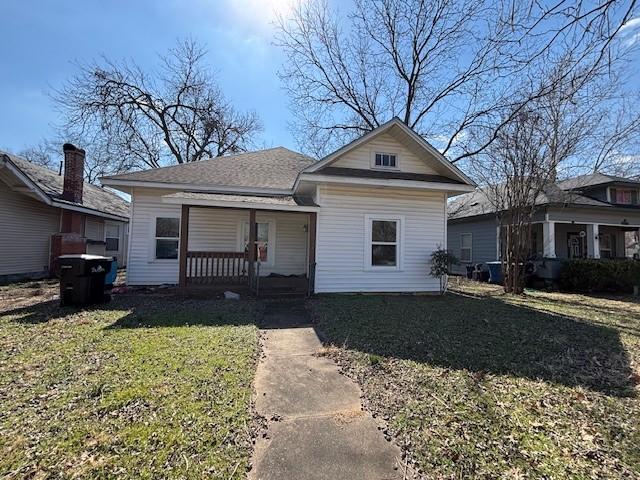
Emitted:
<point x="215" y="239"/>
<point x="569" y="240"/>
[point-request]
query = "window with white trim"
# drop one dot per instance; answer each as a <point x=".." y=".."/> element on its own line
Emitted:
<point x="607" y="245"/>
<point x="385" y="160"/>
<point x="466" y="247"/>
<point x="265" y="240"/>
<point x="112" y="237"/>
<point x="167" y="238"/>
<point x="624" y="196"/>
<point x="384" y="236"/>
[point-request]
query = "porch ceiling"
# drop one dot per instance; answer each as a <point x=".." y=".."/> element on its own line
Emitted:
<point x="283" y="202"/>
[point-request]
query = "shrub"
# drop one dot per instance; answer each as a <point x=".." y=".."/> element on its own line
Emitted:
<point x="599" y="275"/>
<point x="441" y="261"/>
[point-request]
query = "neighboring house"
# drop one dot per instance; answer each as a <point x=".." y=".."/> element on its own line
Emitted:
<point x="44" y="215"/>
<point x="364" y="219"/>
<point x="589" y="216"/>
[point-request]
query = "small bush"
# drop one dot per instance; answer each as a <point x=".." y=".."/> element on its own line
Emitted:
<point x="599" y="275"/>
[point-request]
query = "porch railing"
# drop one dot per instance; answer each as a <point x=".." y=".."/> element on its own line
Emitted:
<point x="217" y="267"/>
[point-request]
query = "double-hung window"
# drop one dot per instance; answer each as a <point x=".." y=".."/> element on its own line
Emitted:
<point x="384" y="236"/>
<point x="167" y="237"/>
<point x="624" y="197"/>
<point x="385" y="160"/>
<point x="112" y="237"/>
<point x="466" y="247"/>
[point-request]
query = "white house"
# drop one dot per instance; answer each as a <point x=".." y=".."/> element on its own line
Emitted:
<point x="364" y="219"/>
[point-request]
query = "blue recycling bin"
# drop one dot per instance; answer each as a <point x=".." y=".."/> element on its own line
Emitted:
<point x="112" y="273"/>
<point x="495" y="272"/>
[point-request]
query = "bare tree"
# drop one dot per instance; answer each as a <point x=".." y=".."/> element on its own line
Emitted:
<point x="556" y="135"/>
<point x="176" y="114"/>
<point x="43" y="153"/>
<point x="101" y="158"/>
<point x="445" y="67"/>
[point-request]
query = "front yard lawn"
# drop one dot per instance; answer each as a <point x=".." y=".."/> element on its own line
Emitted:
<point x="152" y="386"/>
<point x="477" y="384"/>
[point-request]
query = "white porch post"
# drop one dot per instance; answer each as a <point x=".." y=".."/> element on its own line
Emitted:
<point x="549" y="239"/>
<point x="593" y="244"/>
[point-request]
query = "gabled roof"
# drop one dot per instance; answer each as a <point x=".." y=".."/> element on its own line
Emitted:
<point x="479" y="202"/>
<point x="47" y="185"/>
<point x="452" y="171"/>
<point x="265" y="171"/>
<point x="592" y="180"/>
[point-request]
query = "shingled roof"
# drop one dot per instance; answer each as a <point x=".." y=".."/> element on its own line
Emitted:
<point x="478" y="202"/>
<point x="272" y="169"/>
<point x="593" y="179"/>
<point x="51" y="184"/>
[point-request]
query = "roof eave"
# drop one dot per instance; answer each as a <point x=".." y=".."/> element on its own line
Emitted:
<point x="200" y="202"/>
<point x="376" y="182"/>
<point x="49" y="200"/>
<point x="115" y="183"/>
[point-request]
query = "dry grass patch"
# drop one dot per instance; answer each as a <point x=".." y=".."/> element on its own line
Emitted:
<point x="486" y="385"/>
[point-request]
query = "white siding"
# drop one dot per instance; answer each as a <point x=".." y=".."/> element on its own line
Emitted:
<point x="210" y="229"/>
<point x="121" y="253"/>
<point x="215" y="229"/>
<point x="25" y="236"/>
<point x="361" y="157"/>
<point x="340" y="254"/>
<point x="94" y="228"/>
<point x="142" y="267"/>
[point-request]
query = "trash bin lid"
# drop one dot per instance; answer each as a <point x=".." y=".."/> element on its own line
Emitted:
<point x="85" y="256"/>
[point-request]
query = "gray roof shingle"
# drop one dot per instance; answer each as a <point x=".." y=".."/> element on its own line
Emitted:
<point x="478" y="202"/>
<point x="275" y="169"/>
<point x="592" y="179"/>
<point x="93" y="197"/>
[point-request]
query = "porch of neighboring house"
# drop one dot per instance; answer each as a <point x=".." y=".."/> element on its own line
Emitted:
<point x="215" y="239"/>
<point x="568" y="240"/>
<point x="555" y="241"/>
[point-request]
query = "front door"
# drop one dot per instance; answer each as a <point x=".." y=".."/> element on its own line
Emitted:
<point x="575" y="245"/>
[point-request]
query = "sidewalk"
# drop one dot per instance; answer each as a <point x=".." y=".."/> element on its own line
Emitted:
<point x="317" y="428"/>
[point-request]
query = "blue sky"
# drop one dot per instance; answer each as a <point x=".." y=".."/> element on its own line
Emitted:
<point x="43" y="39"/>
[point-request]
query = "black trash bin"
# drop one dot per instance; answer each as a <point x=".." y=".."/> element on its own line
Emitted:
<point x="82" y="279"/>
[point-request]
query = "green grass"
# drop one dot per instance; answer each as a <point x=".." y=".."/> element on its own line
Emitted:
<point x="145" y="387"/>
<point x="496" y="386"/>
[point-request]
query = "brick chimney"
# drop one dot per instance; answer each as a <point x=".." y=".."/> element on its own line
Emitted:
<point x="73" y="173"/>
<point x="69" y="239"/>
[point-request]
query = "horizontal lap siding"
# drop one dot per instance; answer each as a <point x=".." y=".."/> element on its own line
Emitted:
<point x="27" y="226"/>
<point x="341" y="239"/>
<point x="142" y="268"/>
<point x="215" y="229"/>
<point x="361" y="157"/>
<point x="210" y="229"/>
<point x="483" y="239"/>
<point x="291" y="243"/>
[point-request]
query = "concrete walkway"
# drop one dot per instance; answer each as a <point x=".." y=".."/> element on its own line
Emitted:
<point x="317" y="428"/>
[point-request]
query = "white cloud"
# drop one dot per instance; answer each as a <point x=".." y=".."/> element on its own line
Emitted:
<point x="629" y="32"/>
<point x="630" y="25"/>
